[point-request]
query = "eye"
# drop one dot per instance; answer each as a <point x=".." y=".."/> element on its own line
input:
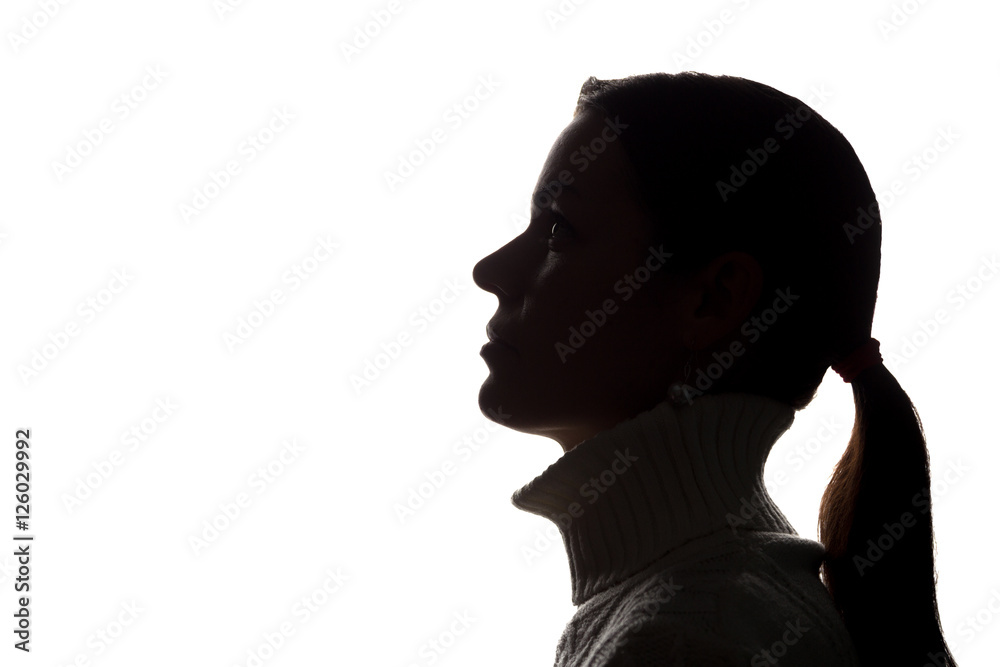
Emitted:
<point x="560" y="233"/>
<point x="559" y="229"/>
<point x="559" y="224"/>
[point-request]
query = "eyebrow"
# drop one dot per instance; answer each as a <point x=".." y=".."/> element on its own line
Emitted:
<point x="565" y="188"/>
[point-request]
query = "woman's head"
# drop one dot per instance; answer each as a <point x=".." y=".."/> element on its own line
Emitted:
<point x="722" y="234"/>
<point x="679" y="219"/>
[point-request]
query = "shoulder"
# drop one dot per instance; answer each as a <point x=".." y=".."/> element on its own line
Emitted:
<point x="747" y="603"/>
<point x="675" y="645"/>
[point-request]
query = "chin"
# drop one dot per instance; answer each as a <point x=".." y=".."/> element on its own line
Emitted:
<point x="492" y="398"/>
<point x="524" y="407"/>
<point x="507" y="405"/>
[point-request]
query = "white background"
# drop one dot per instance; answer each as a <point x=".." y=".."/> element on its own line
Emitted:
<point x="190" y="282"/>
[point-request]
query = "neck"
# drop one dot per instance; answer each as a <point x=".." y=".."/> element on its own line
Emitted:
<point x="633" y="493"/>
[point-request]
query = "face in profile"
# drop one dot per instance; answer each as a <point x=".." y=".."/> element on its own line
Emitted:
<point x="585" y="264"/>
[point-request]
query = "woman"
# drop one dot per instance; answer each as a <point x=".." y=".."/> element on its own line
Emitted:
<point x="701" y="250"/>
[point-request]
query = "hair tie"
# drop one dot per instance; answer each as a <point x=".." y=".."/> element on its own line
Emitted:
<point x="865" y="356"/>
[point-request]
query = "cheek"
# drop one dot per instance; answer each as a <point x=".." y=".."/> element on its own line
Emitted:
<point x="596" y="320"/>
<point x="572" y="294"/>
<point x="634" y="335"/>
<point x="561" y="303"/>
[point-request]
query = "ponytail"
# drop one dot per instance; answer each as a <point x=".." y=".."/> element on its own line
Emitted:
<point x="875" y="521"/>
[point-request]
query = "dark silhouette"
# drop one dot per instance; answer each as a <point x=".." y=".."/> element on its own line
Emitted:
<point x="689" y="204"/>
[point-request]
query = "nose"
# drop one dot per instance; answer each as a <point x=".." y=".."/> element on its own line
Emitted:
<point x="487" y="273"/>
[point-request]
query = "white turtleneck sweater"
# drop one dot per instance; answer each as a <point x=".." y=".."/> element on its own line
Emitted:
<point x="677" y="554"/>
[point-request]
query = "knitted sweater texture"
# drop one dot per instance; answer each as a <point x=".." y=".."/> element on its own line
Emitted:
<point x="678" y="556"/>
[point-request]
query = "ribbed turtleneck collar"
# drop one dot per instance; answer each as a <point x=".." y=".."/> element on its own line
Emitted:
<point x="632" y="493"/>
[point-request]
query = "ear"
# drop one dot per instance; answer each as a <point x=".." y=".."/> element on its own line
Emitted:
<point x="720" y="297"/>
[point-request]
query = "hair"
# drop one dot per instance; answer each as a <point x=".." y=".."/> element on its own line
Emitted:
<point x="722" y="163"/>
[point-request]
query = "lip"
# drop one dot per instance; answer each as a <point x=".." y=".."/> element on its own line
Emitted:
<point x="496" y="344"/>
<point x="494" y="337"/>
<point x="493" y="348"/>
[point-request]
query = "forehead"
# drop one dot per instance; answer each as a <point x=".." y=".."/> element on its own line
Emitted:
<point x="589" y="175"/>
<point x="588" y="157"/>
